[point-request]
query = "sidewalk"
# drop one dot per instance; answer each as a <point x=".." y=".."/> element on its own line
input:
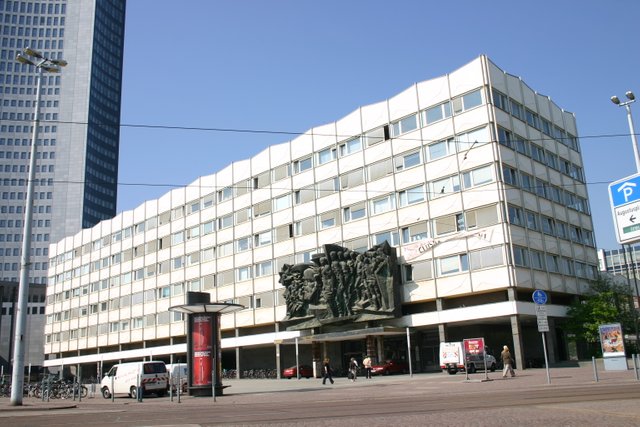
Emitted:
<point x="257" y="390"/>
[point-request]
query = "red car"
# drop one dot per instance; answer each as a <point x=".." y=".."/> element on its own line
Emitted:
<point x="292" y="372"/>
<point x="390" y="367"/>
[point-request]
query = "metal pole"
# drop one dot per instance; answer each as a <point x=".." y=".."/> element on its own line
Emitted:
<point x="633" y="136"/>
<point x="297" y="360"/>
<point x="546" y="359"/>
<point x="635" y="366"/>
<point x="23" y="295"/>
<point x="595" y="368"/>
<point x="409" y="352"/>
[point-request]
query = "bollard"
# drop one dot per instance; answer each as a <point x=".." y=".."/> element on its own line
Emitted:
<point x="170" y="386"/>
<point x="635" y="365"/>
<point x="595" y="369"/>
<point x="113" y="395"/>
<point x="139" y="390"/>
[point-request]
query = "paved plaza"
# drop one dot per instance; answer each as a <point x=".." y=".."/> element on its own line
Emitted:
<point x="573" y="398"/>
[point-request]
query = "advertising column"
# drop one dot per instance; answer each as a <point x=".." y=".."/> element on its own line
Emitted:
<point x="201" y="337"/>
<point x="612" y="347"/>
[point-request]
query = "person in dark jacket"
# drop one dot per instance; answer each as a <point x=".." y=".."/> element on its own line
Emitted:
<point x="326" y="371"/>
<point x="507" y="361"/>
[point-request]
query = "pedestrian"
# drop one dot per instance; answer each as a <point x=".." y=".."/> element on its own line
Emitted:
<point x="367" y="367"/>
<point x="353" y="369"/>
<point x="326" y="370"/>
<point x="507" y="360"/>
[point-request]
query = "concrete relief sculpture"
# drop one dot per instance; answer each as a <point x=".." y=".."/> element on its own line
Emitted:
<point x="341" y="285"/>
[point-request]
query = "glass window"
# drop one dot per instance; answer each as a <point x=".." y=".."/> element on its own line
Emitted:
<point x="282" y="202"/>
<point x="389" y="236"/>
<point x="243" y="273"/>
<point x="472" y="99"/>
<point x="326" y="155"/>
<point x="302" y="165"/>
<point x="477" y="176"/>
<point x="263" y="238"/>
<point x="406" y="161"/>
<point x="437" y="113"/>
<point x="414" y="232"/>
<point x="243" y="244"/>
<point x="453" y="264"/>
<point x="405" y="125"/>
<point x="382" y="204"/>
<point x="440" y="149"/>
<point x="445" y="186"/>
<point x="355" y="212"/>
<point x="350" y="147"/>
<point x="411" y="196"/>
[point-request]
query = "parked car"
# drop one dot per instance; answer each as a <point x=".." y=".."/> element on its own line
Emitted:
<point x="476" y="363"/>
<point x="390" y="367"/>
<point x="292" y="372"/>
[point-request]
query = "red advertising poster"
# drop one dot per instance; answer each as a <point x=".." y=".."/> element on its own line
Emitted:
<point x="474" y="346"/>
<point x="201" y="339"/>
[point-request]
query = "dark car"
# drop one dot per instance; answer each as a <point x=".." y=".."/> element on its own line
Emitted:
<point x="390" y="367"/>
<point x="292" y="372"/>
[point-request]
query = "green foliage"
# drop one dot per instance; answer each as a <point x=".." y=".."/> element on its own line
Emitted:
<point x="606" y="302"/>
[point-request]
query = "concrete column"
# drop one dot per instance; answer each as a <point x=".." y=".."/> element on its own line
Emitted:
<point x="516" y="334"/>
<point x="442" y="333"/>
<point x="371" y="345"/>
<point x="237" y="356"/>
<point x="380" y="351"/>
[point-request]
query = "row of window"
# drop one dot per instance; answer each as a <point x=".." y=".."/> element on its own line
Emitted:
<point x="522" y="113"/>
<point x="543" y="189"/>
<point x="550" y="226"/>
<point x="524" y="257"/>
<point x="32" y="7"/>
<point x="529" y="149"/>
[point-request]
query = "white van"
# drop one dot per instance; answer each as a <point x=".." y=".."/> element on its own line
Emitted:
<point x="452" y="359"/>
<point x="178" y="374"/>
<point x="123" y="379"/>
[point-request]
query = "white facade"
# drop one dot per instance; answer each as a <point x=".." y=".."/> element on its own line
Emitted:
<point x="476" y="179"/>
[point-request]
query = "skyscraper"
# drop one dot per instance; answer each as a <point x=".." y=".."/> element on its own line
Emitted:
<point x="78" y="142"/>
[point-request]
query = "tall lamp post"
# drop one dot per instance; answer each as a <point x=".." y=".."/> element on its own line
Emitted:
<point x="627" y="104"/>
<point x="29" y="57"/>
<point x="631" y="98"/>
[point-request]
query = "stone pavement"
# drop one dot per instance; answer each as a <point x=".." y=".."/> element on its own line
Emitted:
<point x="262" y="390"/>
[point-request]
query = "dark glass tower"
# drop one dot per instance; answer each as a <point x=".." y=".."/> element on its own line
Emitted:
<point x="78" y="142"/>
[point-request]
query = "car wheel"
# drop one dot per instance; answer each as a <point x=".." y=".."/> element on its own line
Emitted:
<point x="493" y="367"/>
<point x="133" y="392"/>
<point x="161" y="393"/>
<point x="106" y="393"/>
<point x="452" y="371"/>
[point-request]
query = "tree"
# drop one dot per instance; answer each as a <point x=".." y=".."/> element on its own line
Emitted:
<point x="605" y="302"/>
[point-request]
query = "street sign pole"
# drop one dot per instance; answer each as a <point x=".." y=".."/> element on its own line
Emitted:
<point x="540" y="298"/>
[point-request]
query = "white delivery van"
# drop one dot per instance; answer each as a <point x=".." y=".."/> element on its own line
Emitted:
<point x="451" y="357"/>
<point x="178" y="374"/>
<point x="123" y="379"/>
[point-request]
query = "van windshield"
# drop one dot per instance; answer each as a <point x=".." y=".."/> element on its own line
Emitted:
<point x="155" y="368"/>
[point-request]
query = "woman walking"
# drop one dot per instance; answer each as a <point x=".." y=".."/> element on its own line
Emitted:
<point x="507" y="361"/>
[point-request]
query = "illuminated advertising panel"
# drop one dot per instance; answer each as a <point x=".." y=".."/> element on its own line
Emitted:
<point x="201" y="337"/>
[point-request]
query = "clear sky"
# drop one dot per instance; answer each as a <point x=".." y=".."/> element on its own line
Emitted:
<point x="290" y="65"/>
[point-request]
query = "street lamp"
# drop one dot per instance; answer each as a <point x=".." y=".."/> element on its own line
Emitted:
<point x="29" y="57"/>
<point x="627" y="104"/>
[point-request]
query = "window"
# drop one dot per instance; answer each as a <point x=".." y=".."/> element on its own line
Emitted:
<point x="225" y="194"/>
<point x="405" y="125"/>
<point x="445" y="186"/>
<point x="472" y="99"/>
<point x="500" y="100"/>
<point x="225" y="221"/>
<point x="264" y="268"/>
<point x="536" y="259"/>
<point x="328" y="220"/>
<point x="351" y="179"/>
<point x="515" y="215"/>
<point x="486" y="258"/>
<point x="282" y="202"/>
<point x="262" y="180"/>
<point x="225" y="249"/>
<point x="553" y="264"/>
<point x="440" y="149"/>
<point x="532" y="220"/>
<point x="177" y="238"/>
<point x="405" y="161"/>
<point x="302" y="165"/>
<point x="389" y="236"/>
<point x="520" y="256"/>
<point x="350" y="147"/>
<point x="437" y="113"/>
<point x="510" y="175"/>
<point x="243" y="244"/>
<point x="326" y="187"/>
<point x="516" y="109"/>
<point x="548" y="225"/>
<point x="375" y="136"/>
<point x="304" y="195"/>
<point x="326" y="155"/>
<point x="354" y="212"/>
<point x="477" y="176"/>
<point x="453" y="264"/>
<point x="382" y="204"/>
<point x="262" y="239"/>
<point x="379" y="170"/>
<point x="414" y="232"/>
<point x="262" y="208"/>
<point x="470" y="139"/>
<point x="243" y="273"/>
<point x="281" y="172"/>
<point x="411" y="195"/>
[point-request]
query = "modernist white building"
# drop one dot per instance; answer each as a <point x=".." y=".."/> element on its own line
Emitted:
<point x="473" y="177"/>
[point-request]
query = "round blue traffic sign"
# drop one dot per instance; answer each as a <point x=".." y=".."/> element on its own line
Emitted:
<point x="540" y="297"/>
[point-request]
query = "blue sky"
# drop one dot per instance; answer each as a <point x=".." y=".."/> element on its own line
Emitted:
<point x="289" y="65"/>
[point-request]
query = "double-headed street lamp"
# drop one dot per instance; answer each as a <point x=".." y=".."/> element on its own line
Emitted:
<point x="627" y="104"/>
<point x="43" y="64"/>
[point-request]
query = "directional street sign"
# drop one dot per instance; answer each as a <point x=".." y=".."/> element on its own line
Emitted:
<point x="624" y="195"/>
<point x="541" y="314"/>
